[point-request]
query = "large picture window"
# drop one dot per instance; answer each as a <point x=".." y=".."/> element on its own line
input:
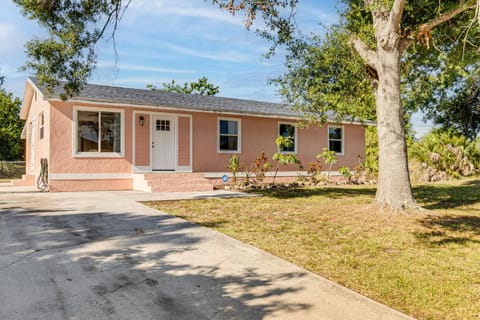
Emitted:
<point x="228" y="135"/>
<point x="335" y="139"/>
<point x="288" y="130"/>
<point x="98" y="132"/>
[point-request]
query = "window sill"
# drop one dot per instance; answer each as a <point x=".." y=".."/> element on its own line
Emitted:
<point x="98" y="155"/>
<point x="229" y="152"/>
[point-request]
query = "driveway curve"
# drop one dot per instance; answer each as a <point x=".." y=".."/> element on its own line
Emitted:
<point x="103" y="255"/>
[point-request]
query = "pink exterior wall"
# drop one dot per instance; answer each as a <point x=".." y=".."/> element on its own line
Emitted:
<point x="90" y="185"/>
<point x="184" y="141"/>
<point x="41" y="146"/>
<point x="63" y="161"/>
<point x="142" y="140"/>
<point x="258" y="135"/>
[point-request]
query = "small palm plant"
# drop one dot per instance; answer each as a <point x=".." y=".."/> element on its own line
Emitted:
<point x="234" y="166"/>
<point x="328" y="157"/>
<point x="284" y="159"/>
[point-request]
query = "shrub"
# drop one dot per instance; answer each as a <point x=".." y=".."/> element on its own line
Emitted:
<point x="284" y="159"/>
<point x="442" y="155"/>
<point x="234" y="166"/>
<point x="328" y="157"/>
<point x="345" y="171"/>
<point x="260" y="167"/>
<point x="315" y="172"/>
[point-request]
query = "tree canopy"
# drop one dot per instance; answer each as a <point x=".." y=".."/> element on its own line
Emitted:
<point x="11" y="145"/>
<point x="386" y="58"/>
<point x="200" y="87"/>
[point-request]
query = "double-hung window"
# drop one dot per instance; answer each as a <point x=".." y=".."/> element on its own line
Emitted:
<point x="229" y="139"/>
<point x="99" y="132"/>
<point x="335" y="139"/>
<point x="288" y="130"/>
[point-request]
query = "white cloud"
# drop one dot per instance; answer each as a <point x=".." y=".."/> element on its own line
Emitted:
<point x="227" y="56"/>
<point x="134" y="67"/>
<point x="133" y="82"/>
<point x="193" y="9"/>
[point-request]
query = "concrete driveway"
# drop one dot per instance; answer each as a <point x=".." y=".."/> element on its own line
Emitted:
<point x="102" y="255"/>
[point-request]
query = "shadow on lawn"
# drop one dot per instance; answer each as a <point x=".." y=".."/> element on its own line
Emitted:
<point x="331" y="192"/>
<point x="447" y="197"/>
<point x="450" y="229"/>
<point x="433" y="196"/>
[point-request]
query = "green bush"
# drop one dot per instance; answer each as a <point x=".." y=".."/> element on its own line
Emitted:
<point x="234" y="166"/>
<point x="442" y="155"/>
<point x="12" y="169"/>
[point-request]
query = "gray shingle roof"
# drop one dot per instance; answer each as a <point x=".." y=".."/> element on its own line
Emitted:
<point x="146" y="97"/>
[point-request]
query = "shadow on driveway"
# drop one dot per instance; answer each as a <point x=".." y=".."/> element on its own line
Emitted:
<point x="123" y="266"/>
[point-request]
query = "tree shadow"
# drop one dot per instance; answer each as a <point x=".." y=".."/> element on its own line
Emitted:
<point x="129" y="265"/>
<point x="449" y="229"/>
<point x="448" y="197"/>
<point x="331" y="192"/>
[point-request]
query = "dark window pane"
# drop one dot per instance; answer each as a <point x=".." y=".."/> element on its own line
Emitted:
<point x="163" y="125"/>
<point x="166" y="125"/>
<point x="290" y="148"/>
<point x="110" y="132"/>
<point x="229" y="143"/>
<point x="335" y="145"/>
<point x="228" y="127"/>
<point x="287" y="130"/>
<point x="335" y="133"/>
<point x="87" y="131"/>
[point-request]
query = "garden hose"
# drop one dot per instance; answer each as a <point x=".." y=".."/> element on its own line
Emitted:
<point x="42" y="180"/>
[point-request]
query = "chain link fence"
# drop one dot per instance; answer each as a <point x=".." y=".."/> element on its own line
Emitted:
<point x="12" y="169"/>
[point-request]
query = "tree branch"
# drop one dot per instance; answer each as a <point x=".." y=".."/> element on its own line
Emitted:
<point x="477" y="11"/>
<point x="423" y="33"/>
<point x="444" y="17"/>
<point x="367" y="54"/>
<point x="396" y="15"/>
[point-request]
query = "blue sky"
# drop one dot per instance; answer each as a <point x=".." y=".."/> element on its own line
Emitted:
<point x="161" y="40"/>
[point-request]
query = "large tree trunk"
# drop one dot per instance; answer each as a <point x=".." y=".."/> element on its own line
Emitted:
<point x="394" y="190"/>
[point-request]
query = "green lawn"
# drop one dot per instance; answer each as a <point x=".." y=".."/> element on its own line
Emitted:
<point x="426" y="264"/>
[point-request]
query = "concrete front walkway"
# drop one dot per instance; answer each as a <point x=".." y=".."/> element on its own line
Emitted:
<point x="102" y="255"/>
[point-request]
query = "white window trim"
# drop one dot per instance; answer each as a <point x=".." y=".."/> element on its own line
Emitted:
<point x="239" y="135"/>
<point x="295" y="145"/>
<point x="342" y="140"/>
<point x="98" y="154"/>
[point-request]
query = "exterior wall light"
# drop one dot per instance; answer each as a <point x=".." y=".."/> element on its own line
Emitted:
<point x="142" y="120"/>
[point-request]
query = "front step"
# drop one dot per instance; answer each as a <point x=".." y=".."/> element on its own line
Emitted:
<point x="26" y="181"/>
<point x="177" y="182"/>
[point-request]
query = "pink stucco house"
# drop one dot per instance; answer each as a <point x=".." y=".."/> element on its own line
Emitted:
<point x="112" y="138"/>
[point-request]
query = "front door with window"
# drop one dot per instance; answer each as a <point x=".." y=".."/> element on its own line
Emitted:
<point x="163" y="143"/>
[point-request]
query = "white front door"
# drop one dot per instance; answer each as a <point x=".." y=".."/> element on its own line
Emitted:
<point x="163" y="143"/>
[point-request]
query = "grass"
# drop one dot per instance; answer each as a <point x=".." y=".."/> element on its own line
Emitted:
<point x="426" y="264"/>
